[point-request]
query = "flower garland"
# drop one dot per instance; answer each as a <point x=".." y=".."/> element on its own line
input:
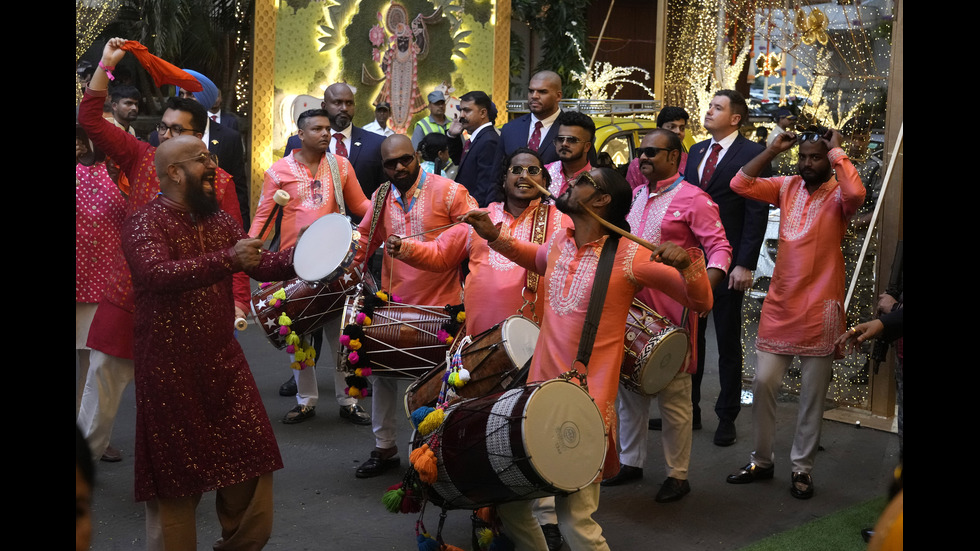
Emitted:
<point x="301" y="353"/>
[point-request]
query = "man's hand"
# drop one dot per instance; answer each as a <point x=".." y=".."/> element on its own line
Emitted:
<point x="112" y="53"/>
<point x="740" y="279"/>
<point x="886" y="303"/>
<point x="393" y="245"/>
<point x="239" y="313"/>
<point x="482" y="224"/>
<point x="783" y="142"/>
<point x="858" y="334"/>
<point x="832" y="139"/>
<point x="455" y="128"/>
<point x="672" y="255"/>
<point x="249" y="252"/>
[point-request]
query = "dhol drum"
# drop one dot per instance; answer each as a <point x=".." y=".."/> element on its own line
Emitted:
<point x="402" y="340"/>
<point x="326" y="249"/>
<point x="308" y="305"/>
<point x="655" y="350"/>
<point x="493" y="359"/>
<point x="543" y="439"/>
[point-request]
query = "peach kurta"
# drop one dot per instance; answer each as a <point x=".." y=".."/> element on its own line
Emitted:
<point x="804" y="311"/>
<point x="569" y="273"/>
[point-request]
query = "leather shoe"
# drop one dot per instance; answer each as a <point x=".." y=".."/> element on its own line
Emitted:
<point x="552" y="536"/>
<point x="355" y="414"/>
<point x="751" y="473"/>
<point x="288" y="388"/>
<point x="625" y="474"/>
<point x="299" y="414"/>
<point x="725" y="435"/>
<point x="672" y="490"/>
<point x="111" y="455"/>
<point x="376" y="465"/>
<point x="802" y="487"/>
<point x="656" y="424"/>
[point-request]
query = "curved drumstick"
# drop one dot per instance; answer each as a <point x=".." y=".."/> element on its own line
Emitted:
<point x="602" y="221"/>
<point x="432" y="230"/>
<point x="281" y="198"/>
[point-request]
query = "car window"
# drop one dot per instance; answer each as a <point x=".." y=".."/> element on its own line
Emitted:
<point x="619" y="148"/>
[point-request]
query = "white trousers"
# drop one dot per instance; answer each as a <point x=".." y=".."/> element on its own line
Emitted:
<point x="677" y="414"/>
<point x="384" y="408"/>
<point x="575" y="521"/>
<point x="108" y="377"/>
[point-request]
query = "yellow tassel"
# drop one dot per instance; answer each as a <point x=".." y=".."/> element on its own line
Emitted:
<point x="358" y="372"/>
<point x="354" y="392"/>
<point x="355" y="344"/>
<point x="300" y="355"/>
<point x="367" y="321"/>
<point x="431" y="422"/>
<point x="292" y="338"/>
<point x="449" y="340"/>
<point x="461" y="317"/>
<point x="382" y="295"/>
<point x="296" y="366"/>
<point x="280" y="294"/>
<point x="284" y="320"/>
<point x="485" y="537"/>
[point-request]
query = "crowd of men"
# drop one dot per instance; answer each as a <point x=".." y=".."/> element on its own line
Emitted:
<point x="188" y="247"/>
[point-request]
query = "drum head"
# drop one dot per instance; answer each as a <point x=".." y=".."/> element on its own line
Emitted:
<point x="520" y="335"/>
<point x="323" y="248"/>
<point x="664" y="362"/>
<point x="564" y="435"/>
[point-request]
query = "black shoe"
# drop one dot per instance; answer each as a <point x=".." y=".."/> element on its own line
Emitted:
<point x="299" y="414"/>
<point x="673" y="490"/>
<point x="552" y="536"/>
<point x="625" y="474"/>
<point x="696" y="421"/>
<point x="655" y="424"/>
<point x="725" y="435"/>
<point x="355" y="414"/>
<point x="376" y="465"/>
<point x="802" y="487"/>
<point x="867" y="534"/>
<point x="751" y="473"/>
<point x="288" y="388"/>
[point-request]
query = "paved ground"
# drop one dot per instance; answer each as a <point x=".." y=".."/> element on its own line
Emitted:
<point x="320" y="505"/>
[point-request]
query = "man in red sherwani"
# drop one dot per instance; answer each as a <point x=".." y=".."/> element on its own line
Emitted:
<point x="200" y="423"/>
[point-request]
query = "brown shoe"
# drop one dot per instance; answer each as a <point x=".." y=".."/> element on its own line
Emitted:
<point x="111" y="455"/>
<point x="299" y="414"/>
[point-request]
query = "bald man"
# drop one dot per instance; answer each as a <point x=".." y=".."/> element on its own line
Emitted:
<point x="191" y="437"/>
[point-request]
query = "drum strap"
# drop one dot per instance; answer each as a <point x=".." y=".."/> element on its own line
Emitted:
<point x="338" y="185"/>
<point x="379" y="205"/>
<point x="598" y="298"/>
<point x="539" y="230"/>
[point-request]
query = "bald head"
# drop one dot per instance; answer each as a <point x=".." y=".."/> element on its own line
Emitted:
<point x="544" y="93"/>
<point x="187" y="174"/>
<point x="173" y="150"/>
<point x="338" y="100"/>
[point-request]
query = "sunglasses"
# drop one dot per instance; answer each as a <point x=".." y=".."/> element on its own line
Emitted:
<point x="517" y="170"/>
<point x="571" y="140"/>
<point x="587" y="179"/>
<point x="651" y="152"/>
<point x="811" y="136"/>
<point x="404" y="160"/>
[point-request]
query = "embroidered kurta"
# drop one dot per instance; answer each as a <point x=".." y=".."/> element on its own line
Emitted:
<point x="569" y="274"/>
<point x="495" y="285"/>
<point x="311" y="196"/>
<point x="200" y="422"/>
<point x="99" y="213"/>
<point x="684" y="215"/>
<point x="636" y="178"/>
<point x="559" y="183"/>
<point x="804" y="311"/>
<point x="431" y="202"/>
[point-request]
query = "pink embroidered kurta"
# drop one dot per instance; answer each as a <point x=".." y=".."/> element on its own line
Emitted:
<point x="99" y="213"/>
<point x="432" y="202"/>
<point x="310" y="196"/>
<point x="637" y="179"/>
<point x="684" y="215"/>
<point x="569" y="274"/>
<point x="200" y="422"/>
<point x="559" y="183"/>
<point x="495" y="285"/>
<point x="804" y="311"/>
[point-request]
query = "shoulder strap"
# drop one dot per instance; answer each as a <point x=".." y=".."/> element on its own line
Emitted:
<point x="539" y="230"/>
<point x="598" y="298"/>
<point x="379" y="204"/>
<point x="338" y="185"/>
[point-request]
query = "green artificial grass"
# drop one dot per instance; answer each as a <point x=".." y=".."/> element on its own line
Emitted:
<point x="840" y="531"/>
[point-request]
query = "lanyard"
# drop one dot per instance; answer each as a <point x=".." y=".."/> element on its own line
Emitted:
<point x="415" y="195"/>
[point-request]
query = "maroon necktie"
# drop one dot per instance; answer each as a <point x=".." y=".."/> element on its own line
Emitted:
<point x="341" y="149"/>
<point x="466" y="146"/>
<point x="709" y="165"/>
<point x="535" y="140"/>
<point x="214" y="118"/>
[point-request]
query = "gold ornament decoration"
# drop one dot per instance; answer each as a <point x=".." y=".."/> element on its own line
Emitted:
<point x="812" y="27"/>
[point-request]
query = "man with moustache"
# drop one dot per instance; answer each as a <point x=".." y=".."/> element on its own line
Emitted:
<point x="666" y="209"/>
<point x="804" y="311"/>
<point x="476" y="169"/>
<point x="670" y="118"/>
<point x="417" y="203"/>
<point x="573" y="141"/>
<point x="537" y="129"/>
<point x="200" y="423"/>
<point x="568" y="265"/>
<point x="711" y="165"/>
<point x="125" y="106"/>
<point x="314" y="178"/>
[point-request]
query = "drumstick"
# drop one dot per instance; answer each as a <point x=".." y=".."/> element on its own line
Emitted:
<point x="241" y="324"/>
<point x="432" y="230"/>
<point x="281" y="198"/>
<point x="602" y="221"/>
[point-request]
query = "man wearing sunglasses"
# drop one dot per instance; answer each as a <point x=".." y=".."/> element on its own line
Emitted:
<point x="314" y="179"/>
<point x="417" y="204"/>
<point x="200" y="422"/>
<point x="110" y="335"/>
<point x="667" y="208"/>
<point x="576" y="132"/>
<point x="568" y="264"/>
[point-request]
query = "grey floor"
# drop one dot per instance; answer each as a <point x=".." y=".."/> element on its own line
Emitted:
<point x="319" y="504"/>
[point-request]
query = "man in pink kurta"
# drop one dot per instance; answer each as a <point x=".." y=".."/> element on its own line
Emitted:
<point x="416" y="205"/>
<point x="669" y="209"/>
<point x="804" y="311"/>
<point x="318" y="183"/>
<point x="568" y="263"/>
<point x="576" y="134"/>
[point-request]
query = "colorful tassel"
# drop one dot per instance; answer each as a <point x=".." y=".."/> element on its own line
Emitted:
<point x="344" y="340"/>
<point x="420" y="414"/>
<point x="354" y="344"/>
<point x="431" y="422"/>
<point x="392" y="499"/>
<point x="382" y="295"/>
<point x="425" y="462"/>
<point x="427" y="544"/>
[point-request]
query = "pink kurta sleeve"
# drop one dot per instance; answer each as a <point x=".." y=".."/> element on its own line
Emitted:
<point x="705" y="223"/>
<point x="851" y="189"/>
<point x="446" y="252"/>
<point x="690" y="288"/>
<point x="760" y="189"/>
<point x="529" y="256"/>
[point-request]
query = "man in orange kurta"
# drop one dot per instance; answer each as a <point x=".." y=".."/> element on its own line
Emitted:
<point x="804" y="310"/>
<point x="568" y="264"/>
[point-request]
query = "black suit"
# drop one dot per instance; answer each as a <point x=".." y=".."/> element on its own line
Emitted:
<point x="476" y="169"/>
<point x="228" y="119"/>
<point x="514" y="135"/>
<point x="745" y="226"/>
